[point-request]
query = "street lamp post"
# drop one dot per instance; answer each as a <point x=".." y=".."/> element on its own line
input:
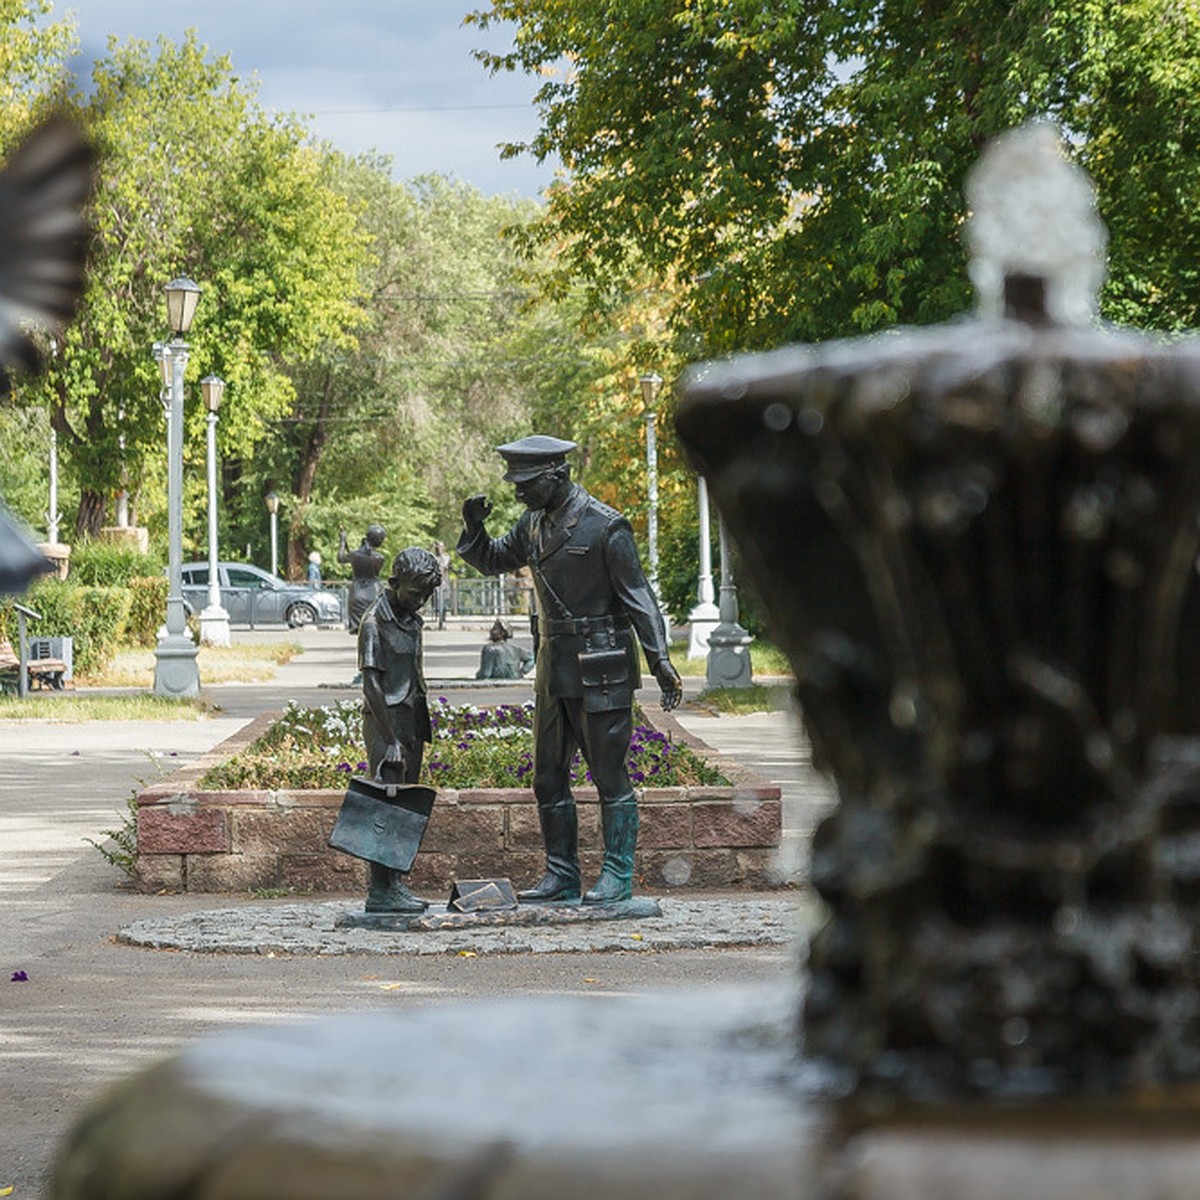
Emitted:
<point x="272" y="502"/>
<point x="214" y="620"/>
<point x="704" y="617"/>
<point x="176" y="672"/>
<point x="651" y="382"/>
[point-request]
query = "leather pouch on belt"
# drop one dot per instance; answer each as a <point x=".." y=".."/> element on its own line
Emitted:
<point x="605" y="678"/>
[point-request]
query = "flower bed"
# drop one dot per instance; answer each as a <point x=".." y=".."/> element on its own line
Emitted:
<point x="204" y="829"/>
<point x="472" y="747"/>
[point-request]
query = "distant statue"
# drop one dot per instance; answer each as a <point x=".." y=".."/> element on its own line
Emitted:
<point x="366" y="562"/>
<point x="502" y="658"/>
<point x="314" y="569"/>
<point x="396" y="722"/>
<point x="594" y="606"/>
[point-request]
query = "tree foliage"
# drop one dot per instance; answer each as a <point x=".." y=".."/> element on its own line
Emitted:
<point x="453" y="359"/>
<point x="194" y="180"/>
<point x="797" y="168"/>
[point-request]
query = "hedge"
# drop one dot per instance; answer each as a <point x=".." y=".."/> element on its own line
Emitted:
<point x="104" y="564"/>
<point x="94" y="617"/>
<point x="147" y="609"/>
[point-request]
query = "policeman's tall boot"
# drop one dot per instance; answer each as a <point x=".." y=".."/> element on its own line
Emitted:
<point x="560" y="832"/>
<point x="389" y="893"/>
<point x="619" y="819"/>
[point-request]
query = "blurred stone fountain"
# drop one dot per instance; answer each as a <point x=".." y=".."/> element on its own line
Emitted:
<point x="977" y="543"/>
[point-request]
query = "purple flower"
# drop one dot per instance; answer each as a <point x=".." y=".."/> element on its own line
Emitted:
<point x="19" y="977"/>
<point x="344" y="766"/>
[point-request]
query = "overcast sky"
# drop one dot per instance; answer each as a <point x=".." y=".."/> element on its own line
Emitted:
<point x="390" y="75"/>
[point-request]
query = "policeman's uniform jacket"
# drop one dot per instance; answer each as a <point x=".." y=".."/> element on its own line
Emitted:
<point x="591" y="593"/>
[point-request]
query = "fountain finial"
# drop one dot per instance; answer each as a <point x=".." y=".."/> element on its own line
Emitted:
<point x="1035" y="238"/>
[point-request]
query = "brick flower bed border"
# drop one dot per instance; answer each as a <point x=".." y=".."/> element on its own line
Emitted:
<point x="236" y="841"/>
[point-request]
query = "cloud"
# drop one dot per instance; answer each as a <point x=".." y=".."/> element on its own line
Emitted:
<point x="396" y="76"/>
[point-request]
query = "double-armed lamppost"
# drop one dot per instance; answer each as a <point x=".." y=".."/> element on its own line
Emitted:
<point x="272" y="502"/>
<point x="176" y="672"/>
<point x="214" y="620"/>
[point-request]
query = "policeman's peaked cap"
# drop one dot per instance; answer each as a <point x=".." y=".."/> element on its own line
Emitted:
<point x="532" y="455"/>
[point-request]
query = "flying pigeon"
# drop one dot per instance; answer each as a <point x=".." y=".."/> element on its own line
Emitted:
<point x="43" y="241"/>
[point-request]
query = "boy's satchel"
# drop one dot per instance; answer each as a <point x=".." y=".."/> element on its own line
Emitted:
<point x="383" y="822"/>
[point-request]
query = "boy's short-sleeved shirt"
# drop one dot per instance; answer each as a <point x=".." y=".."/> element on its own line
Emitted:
<point x="390" y="643"/>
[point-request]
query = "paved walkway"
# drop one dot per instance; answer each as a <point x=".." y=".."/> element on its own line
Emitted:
<point x="90" y="1008"/>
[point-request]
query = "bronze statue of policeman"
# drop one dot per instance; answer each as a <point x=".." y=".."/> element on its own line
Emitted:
<point x="594" y="607"/>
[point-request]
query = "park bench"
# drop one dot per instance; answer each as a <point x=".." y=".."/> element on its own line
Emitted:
<point x="44" y="672"/>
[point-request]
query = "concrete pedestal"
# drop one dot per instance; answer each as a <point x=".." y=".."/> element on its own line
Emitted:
<point x="641" y="1099"/>
<point x="59" y="553"/>
<point x="729" y="657"/>
<point x="214" y="627"/>
<point x="175" y="670"/>
<point x="702" y="620"/>
<point x="137" y="537"/>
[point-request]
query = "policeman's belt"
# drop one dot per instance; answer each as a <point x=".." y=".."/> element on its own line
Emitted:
<point x="565" y="627"/>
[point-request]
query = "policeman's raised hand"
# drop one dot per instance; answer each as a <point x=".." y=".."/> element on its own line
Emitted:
<point x="670" y="683"/>
<point x="475" y="511"/>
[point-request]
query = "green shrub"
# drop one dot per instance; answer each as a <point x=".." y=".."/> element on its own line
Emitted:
<point x="105" y="564"/>
<point x="147" y="609"/>
<point x="94" y="617"/>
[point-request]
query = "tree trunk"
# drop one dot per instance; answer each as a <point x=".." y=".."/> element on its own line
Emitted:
<point x="310" y="458"/>
<point x="91" y="514"/>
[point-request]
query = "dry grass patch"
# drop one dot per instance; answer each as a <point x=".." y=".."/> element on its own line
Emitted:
<point x="240" y="663"/>
<point x="77" y="707"/>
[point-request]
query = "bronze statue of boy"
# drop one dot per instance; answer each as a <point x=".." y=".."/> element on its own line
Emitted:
<point x="396" y="724"/>
<point x="594" y="606"/>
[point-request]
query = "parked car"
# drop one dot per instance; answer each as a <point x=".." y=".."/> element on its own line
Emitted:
<point x="248" y="593"/>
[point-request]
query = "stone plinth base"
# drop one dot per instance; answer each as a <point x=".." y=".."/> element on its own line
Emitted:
<point x="135" y="536"/>
<point x="59" y="554"/>
<point x="439" y="917"/>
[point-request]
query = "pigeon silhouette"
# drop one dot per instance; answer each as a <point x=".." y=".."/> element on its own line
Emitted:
<point x="43" y="236"/>
<point x="43" y="243"/>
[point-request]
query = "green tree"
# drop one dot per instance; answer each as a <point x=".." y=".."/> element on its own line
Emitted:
<point x="33" y="53"/>
<point x="453" y="359"/>
<point x="798" y="167"/>
<point x="194" y="179"/>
